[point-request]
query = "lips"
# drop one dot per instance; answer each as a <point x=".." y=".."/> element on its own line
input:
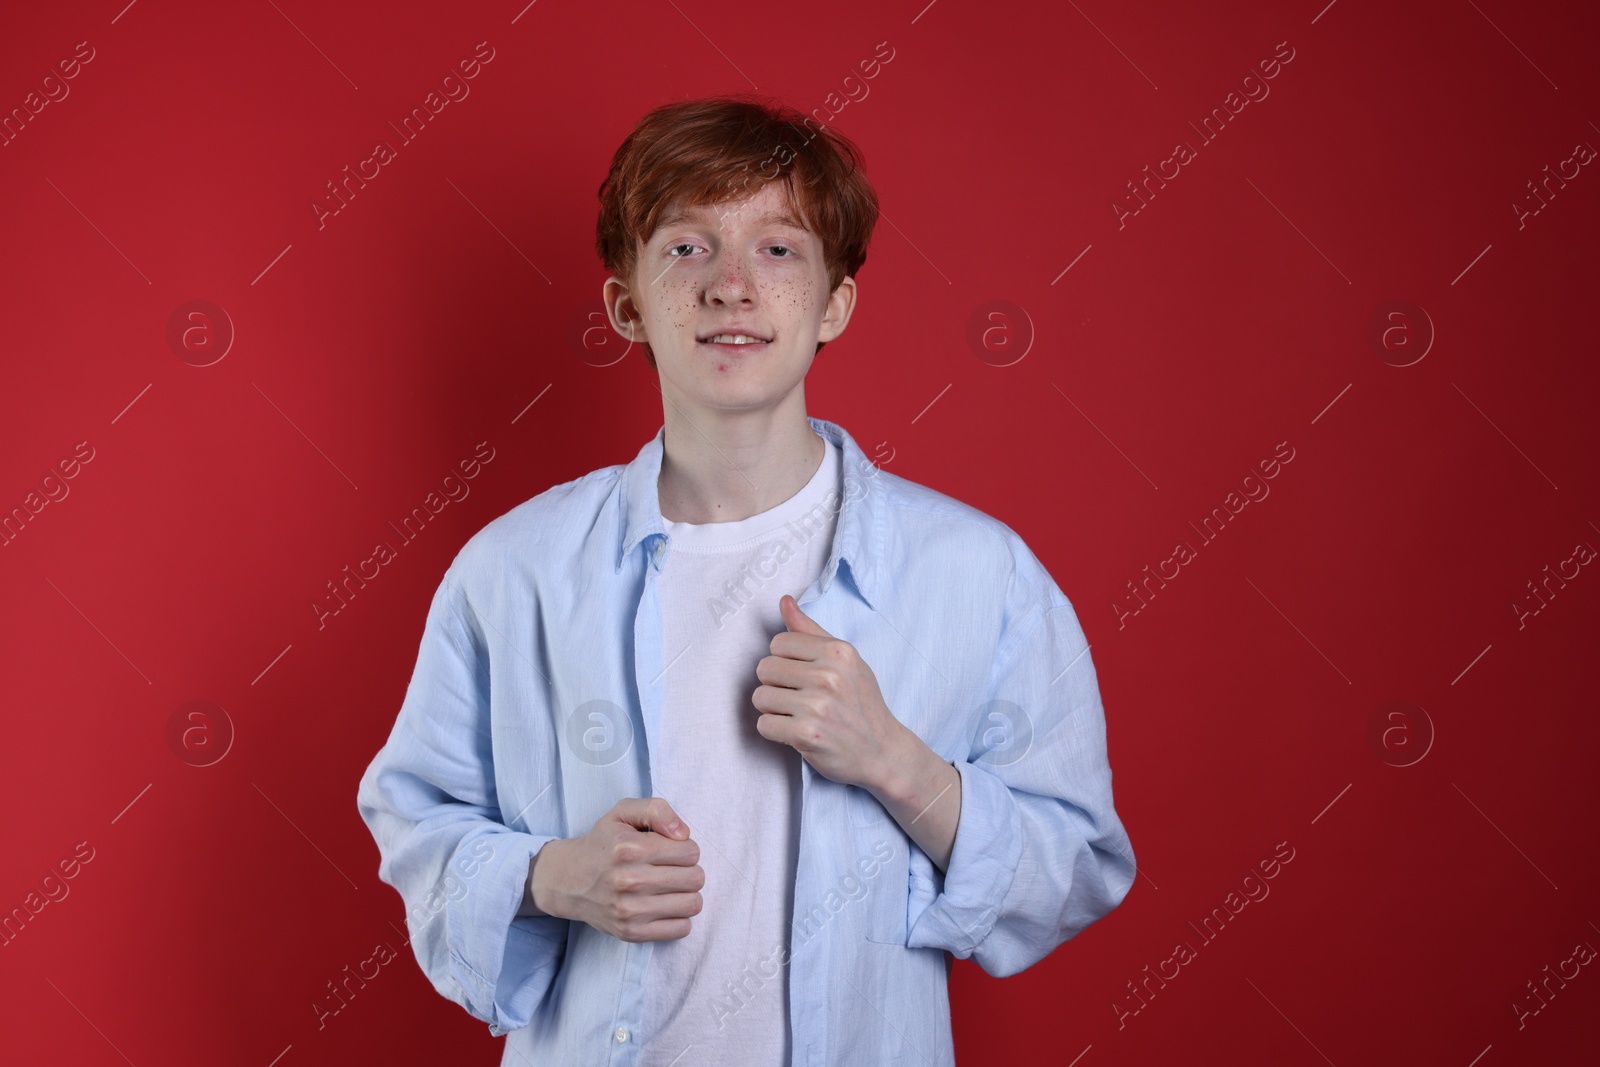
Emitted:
<point x="736" y="348"/>
<point x="760" y="336"/>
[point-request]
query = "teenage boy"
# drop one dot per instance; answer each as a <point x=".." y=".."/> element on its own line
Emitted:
<point x="723" y="755"/>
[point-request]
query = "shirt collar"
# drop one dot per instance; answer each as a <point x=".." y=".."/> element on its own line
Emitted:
<point x="857" y="539"/>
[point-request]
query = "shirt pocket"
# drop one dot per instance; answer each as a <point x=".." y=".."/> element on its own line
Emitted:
<point x="881" y="857"/>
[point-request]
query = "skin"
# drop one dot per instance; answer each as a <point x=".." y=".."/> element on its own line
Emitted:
<point x="736" y="444"/>
<point x="737" y="441"/>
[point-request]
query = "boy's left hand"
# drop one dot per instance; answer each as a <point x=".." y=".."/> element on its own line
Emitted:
<point x="820" y="697"/>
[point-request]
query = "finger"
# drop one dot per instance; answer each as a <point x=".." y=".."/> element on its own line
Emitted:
<point x="664" y="930"/>
<point x="660" y="918"/>
<point x="679" y="905"/>
<point x="791" y="644"/>
<point x="781" y="671"/>
<point x="668" y="852"/>
<point x="651" y="813"/>
<point x="666" y="821"/>
<point x="662" y="881"/>
<point x="778" y="728"/>
<point x="676" y="923"/>
<point x="776" y="700"/>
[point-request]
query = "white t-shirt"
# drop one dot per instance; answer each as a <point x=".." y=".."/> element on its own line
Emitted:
<point x="722" y="992"/>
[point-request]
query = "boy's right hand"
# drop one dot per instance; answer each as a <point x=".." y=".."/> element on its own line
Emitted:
<point x="634" y="886"/>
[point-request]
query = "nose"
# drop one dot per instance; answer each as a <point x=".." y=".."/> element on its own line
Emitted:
<point x="731" y="283"/>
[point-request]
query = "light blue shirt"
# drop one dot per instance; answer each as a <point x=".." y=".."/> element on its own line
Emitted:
<point x="538" y="690"/>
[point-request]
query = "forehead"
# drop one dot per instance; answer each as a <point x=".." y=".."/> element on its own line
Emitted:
<point x="768" y="207"/>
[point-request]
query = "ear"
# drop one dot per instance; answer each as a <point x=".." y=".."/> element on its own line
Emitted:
<point x="622" y="310"/>
<point x="841" y="302"/>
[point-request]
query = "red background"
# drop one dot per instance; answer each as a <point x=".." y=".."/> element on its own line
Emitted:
<point x="444" y="307"/>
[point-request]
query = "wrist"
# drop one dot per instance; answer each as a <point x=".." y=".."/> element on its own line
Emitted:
<point x="905" y="762"/>
<point x="536" y="890"/>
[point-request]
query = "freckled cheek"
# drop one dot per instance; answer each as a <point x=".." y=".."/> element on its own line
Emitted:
<point x="790" y="293"/>
<point x="675" y="302"/>
<point x="799" y="294"/>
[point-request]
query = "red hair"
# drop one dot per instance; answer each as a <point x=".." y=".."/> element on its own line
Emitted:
<point x="726" y="148"/>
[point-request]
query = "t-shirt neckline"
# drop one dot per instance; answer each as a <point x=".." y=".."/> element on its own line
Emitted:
<point x="720" y="535"/>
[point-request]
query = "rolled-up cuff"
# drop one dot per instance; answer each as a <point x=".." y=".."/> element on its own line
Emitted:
<point x="983" y="863"/>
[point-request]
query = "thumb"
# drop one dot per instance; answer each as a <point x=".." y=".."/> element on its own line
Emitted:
<point x="797" y="620"/>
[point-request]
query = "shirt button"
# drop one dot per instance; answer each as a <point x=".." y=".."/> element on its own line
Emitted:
<point x="622" y="1033"/>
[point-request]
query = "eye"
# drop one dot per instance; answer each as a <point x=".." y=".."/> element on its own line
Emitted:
<point x="673" y="248"/>
<point x="786" y="249"/>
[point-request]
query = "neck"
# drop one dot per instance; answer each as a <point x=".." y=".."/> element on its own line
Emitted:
<point x="735" y="465"/>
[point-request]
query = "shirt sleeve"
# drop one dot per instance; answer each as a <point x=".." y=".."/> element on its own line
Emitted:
<point x="429" y="799"/>
<point x="1039" y="851"/>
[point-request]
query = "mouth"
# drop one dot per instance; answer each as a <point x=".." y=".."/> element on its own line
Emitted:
<point x="735" y="343"/>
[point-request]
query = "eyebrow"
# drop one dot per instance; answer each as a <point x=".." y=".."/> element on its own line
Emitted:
<point x="781" y="218"/>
